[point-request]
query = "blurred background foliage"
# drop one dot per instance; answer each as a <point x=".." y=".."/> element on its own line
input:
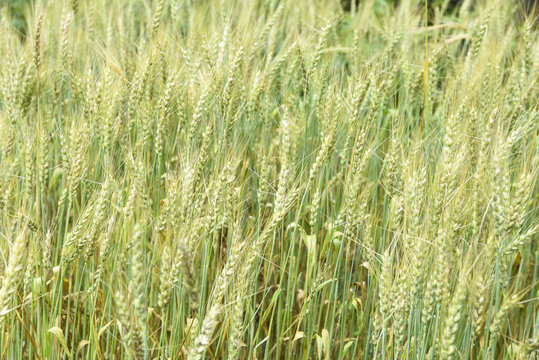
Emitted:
<point x="452" y="5"/>
<point x="16" y="8"/>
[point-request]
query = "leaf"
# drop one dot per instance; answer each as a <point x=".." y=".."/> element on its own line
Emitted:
<point x="319" y="345"/>
<point x="105" y="327"/>
<point x="299" y="335"/>
<point x="325" y="342"/>
<point x="271" y="305"/>
<point x="322" y="285"/>
<point x="336" y="239"/>
<point x="82" y="344"/>
<point x="347" y="347"/>
<point x="56" y="331"/>
<point x="310" y="243"/>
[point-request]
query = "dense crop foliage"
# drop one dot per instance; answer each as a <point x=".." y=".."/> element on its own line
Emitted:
<point x="269" y="180"/>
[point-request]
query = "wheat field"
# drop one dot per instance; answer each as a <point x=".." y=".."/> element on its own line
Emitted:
<point x="269" y="179"/>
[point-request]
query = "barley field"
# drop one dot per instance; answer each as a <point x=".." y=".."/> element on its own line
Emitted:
<point x="269" y="179"/>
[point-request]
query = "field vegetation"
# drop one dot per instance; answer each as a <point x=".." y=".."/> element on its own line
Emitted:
<point x="269" y="179"/>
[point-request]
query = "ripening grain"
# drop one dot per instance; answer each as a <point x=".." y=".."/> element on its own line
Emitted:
<point x="269" y="179"/>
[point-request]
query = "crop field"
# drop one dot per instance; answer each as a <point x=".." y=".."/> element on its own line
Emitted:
<point x="269" y="179"/>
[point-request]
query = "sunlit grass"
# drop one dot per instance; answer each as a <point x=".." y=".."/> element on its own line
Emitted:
<point x="269" y="180"/>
